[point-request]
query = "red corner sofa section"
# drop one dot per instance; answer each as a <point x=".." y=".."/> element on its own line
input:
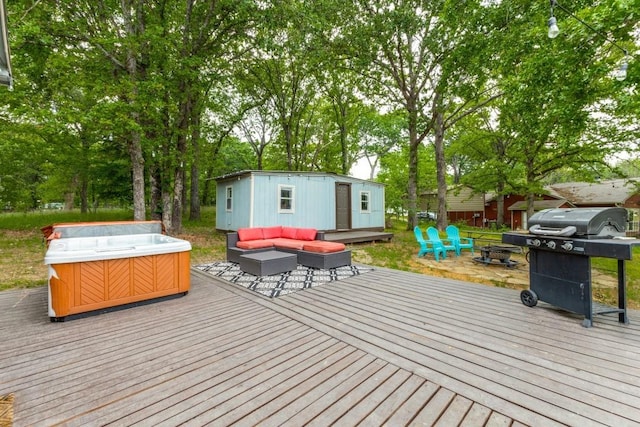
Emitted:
<point x="307" y="243"/>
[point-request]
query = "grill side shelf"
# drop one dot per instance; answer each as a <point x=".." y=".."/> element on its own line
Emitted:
<point x="606" y="248"/>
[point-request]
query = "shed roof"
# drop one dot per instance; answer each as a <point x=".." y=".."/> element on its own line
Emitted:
<point x="245" y="173"/>
<point x="611" y="192"/>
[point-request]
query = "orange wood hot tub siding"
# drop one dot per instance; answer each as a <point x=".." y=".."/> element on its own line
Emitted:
<point x="93" y="285"/>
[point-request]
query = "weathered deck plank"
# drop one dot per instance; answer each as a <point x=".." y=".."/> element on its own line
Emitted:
<point x="385" y="347"/>
<point x="497" y="374"/>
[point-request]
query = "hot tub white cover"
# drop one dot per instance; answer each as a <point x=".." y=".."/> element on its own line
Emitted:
<point x="84" y="249"/>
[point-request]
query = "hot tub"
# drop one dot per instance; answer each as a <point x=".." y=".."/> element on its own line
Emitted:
<point x="98" y="272"/>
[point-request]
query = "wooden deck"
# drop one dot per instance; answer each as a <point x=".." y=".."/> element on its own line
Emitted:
<point x="358" y="236"/>
<point x="385" y="348"/>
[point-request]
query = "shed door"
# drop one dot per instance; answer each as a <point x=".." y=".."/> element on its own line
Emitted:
<point x="343" y="206"/>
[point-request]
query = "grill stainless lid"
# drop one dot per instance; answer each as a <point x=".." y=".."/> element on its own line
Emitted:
<point x="580" y="222"/>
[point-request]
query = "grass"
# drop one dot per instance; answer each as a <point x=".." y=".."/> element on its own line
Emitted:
<point x="22" y="249"/>
<point x="22" y="244"/>
<point x="610" y="266"/>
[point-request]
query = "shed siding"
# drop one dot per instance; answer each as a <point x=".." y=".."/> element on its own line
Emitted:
<point x="375" y="217"/>
<point x="312" y="203"/>
<point x="240" y="212"/>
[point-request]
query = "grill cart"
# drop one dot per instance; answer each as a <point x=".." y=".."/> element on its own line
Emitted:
<point x="561" y="243"/>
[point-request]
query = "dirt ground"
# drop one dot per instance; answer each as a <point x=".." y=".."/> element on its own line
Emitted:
<point x="496" y="274"/>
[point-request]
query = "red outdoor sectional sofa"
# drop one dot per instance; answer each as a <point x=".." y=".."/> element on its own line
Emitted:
<point x="307" y="243"/>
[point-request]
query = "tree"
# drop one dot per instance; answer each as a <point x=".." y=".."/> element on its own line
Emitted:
<point x="546" y="114"/>
<point x="167" y="83"/>
<point x="258" y="130"/>
<point x="415" y="50"/>
<point x="378" y="134"/>
<point x="394" y="172"/>
<point x="478" y="144"/>
<point x="338" y="86"/>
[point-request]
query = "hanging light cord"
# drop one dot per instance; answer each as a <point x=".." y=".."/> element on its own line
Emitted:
<point x="621" y="74"/>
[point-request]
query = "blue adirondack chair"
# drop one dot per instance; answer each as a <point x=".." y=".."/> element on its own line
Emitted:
<point x="426" y="246"/>
<point x="453" y="235"/>
<point x="444" y="245"/>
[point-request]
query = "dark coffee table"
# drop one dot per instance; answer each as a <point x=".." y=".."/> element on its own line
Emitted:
<point x="267" y="263"/>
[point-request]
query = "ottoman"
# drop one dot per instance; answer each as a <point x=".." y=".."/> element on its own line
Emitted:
<point x="324" y="261"/>
<point x="267" y="263"/>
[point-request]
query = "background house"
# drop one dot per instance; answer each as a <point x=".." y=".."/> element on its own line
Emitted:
<point x="515" y="209"/>
<point x="324" y="201"/>
<point x="463" y="205"/>
<point x="623" y="193"/>
<point x="477" y="209"/>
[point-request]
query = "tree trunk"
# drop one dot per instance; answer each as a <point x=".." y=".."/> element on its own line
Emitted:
<point x="194" y="209"/>
<point x="185" y="109"/>
<point x="500" y="213"/>
<point x="155" y="182"/>
<point x="288" y="141"/>
<point x="500" y="205"/>
<point x="137" y="172"/>
<point x="412" y="182"/>
<point x="441" y="168"/>
<point x="84" y="194"/>
<point x="134" y="143"/>
<point x="344" y="150"/>
<point x="166" y="210"/>
<point x="84" y="174"/>
<point x="178" y="187"/>
<point x="531" y="198"/>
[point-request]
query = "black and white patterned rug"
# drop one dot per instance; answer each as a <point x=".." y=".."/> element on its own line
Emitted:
<point x="281" y="284"/>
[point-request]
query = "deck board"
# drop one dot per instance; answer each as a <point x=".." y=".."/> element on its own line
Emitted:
<point x="384" y="347"/>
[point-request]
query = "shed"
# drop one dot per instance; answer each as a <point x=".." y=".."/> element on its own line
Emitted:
<point x="325" y="201"/>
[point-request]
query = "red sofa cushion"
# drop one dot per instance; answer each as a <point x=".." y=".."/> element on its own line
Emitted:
<point x="272" y="232"/>
<point x="323" y="246"/>
<point x="287" y="243"/>
<point x="254" y="244"/>
<point x="289" y="232"/>
<point x="306" y="234"/>
<point x="254" y="233"/>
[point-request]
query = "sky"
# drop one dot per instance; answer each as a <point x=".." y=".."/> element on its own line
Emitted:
<point x="361" y="169"/>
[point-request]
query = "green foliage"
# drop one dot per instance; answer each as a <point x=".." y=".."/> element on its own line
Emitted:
<point x="394" y="174"/>
<point x="35" y="220"/>
<point x="23" y="158"/>
<point x="336" y="81"/>
<point x="233" y="156"/>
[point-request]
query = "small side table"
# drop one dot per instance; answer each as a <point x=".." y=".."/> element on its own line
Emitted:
<point x="267" y="263"/>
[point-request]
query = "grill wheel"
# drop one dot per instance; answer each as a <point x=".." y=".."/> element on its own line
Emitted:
<point x="529" y="298"/>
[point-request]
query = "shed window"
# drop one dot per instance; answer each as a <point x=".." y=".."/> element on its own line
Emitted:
<point x="229" y="199"/>
<point x="365" y="198"/>
<point x="286" y="201"/>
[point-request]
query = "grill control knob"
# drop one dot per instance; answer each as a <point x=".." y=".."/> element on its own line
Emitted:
<point x="535" y="242"/>
<point x="551" y="244"/>
<point x="567" y="246"/>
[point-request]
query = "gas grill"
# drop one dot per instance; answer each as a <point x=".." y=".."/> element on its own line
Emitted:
<point x="561" y="243"/>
